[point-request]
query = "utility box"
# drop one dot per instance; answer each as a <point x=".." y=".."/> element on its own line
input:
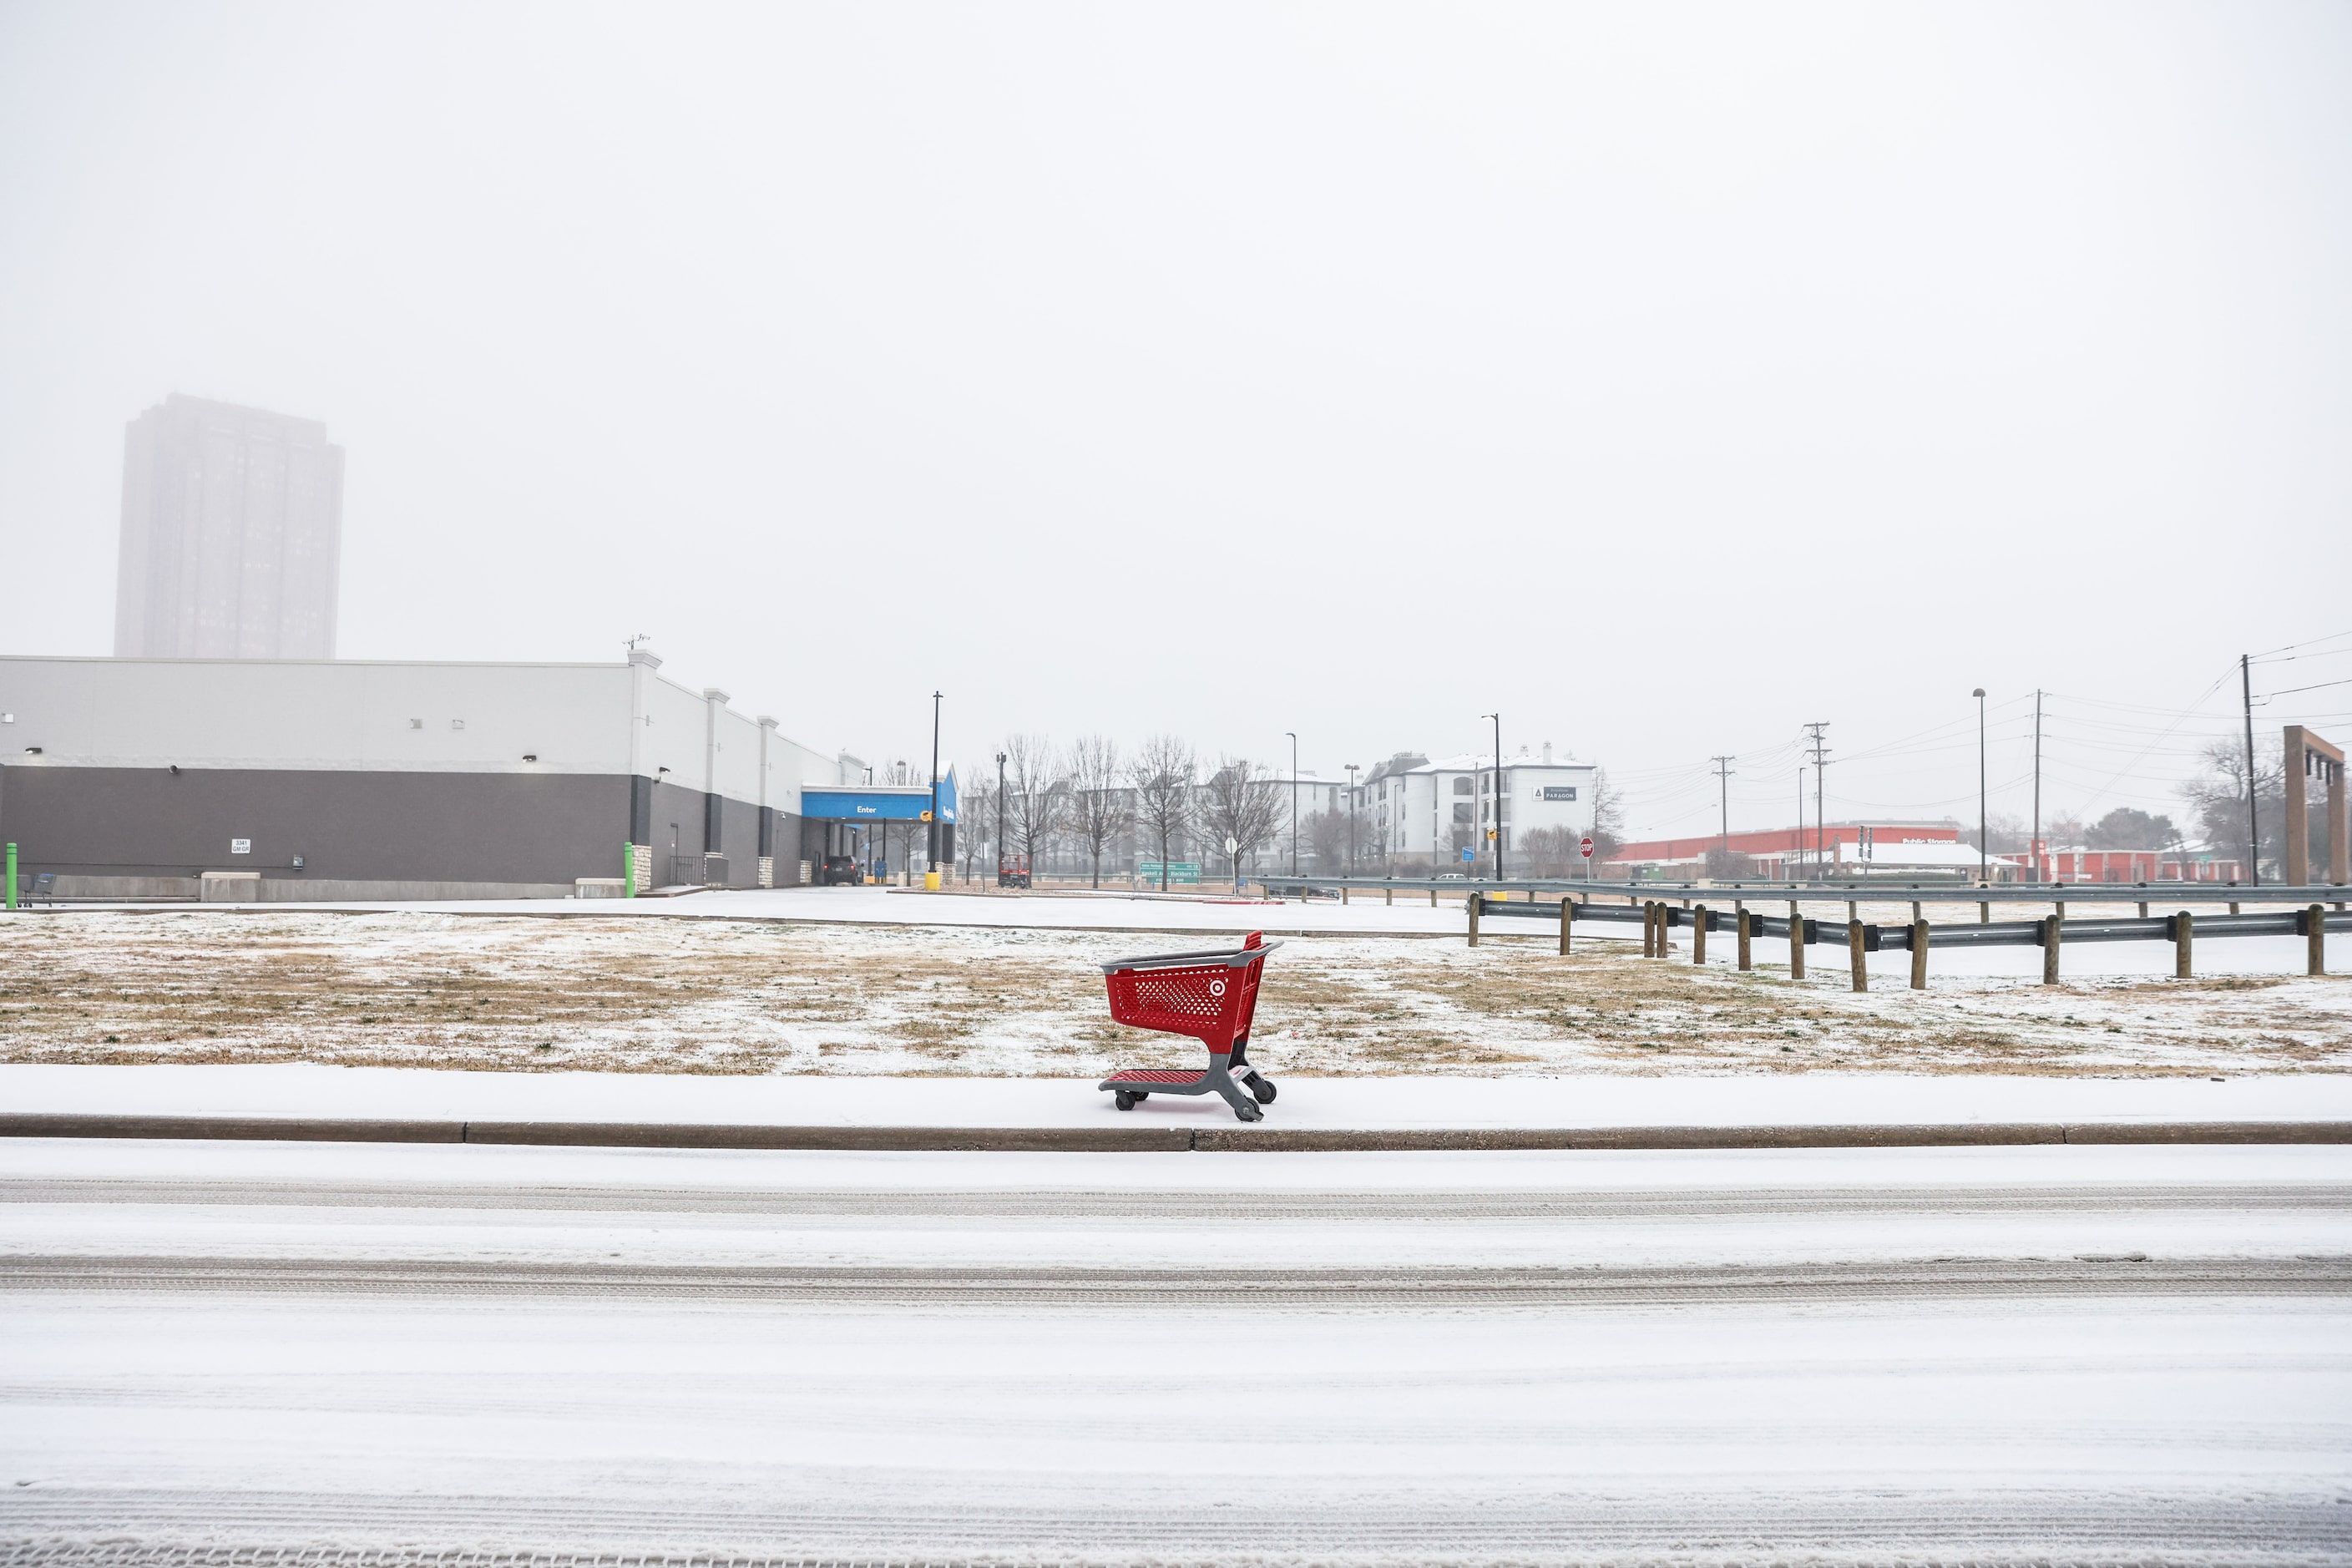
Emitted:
<point x="229" y="887"/>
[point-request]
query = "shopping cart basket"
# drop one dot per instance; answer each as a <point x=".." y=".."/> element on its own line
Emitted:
<point x="1210" y="996"/>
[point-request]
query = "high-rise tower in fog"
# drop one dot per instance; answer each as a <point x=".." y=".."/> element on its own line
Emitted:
<point x="232" y="535"/>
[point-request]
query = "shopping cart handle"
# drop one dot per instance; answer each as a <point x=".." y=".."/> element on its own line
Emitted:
<point x="1232" y="957"/>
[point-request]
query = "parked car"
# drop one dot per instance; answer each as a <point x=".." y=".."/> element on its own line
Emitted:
<point x="841" y="870"/>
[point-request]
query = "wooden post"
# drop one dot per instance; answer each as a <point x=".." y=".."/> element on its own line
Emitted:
<point x="1919" y="955"/>
<point x="1796" y="946"/>
<point x="1474" y="902"/>
<point x="1854" y="951"/>
<point x="1747" y="958"/>
<point x="2050" y="932"/>
<point x="2143" y="909"/>
<point x="1566" y="913"/>
<point x="2233" y="906"/>
<point x="1852" y="912"/>
<point x="1698" y="934"/>
<point x="1984" y="913"/>
<point x="1649" y="929"/>
<point x="2314" y="939"/>
<point x="1432" y="898"/>
<point x="1388" y="896"/>
<point x="1343" y="892"/>
<point x="1916" y="916"/>
<point x="2182" y="934"/>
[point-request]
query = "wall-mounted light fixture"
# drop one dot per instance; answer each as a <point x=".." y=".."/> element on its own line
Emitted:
<point x="32" y="751"/>
<point x="659" y="771"/>
<point x="530" y="756"/>
<point x="175" y="770"/>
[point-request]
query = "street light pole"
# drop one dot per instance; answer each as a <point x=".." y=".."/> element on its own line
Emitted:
<point x="1293" y="800"/>
<point x="1351" y="818"/>
<point x="1000" y="819"/>
<point x="1497" y="794"/>
<point x="1984" y="840"/>
<point x="932" y="842"/>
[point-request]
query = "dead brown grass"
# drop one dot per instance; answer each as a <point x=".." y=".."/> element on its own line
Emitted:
<point x="715" y="996"/>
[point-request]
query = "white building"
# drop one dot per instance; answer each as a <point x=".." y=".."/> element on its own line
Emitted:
<point x="1424" y="813"/>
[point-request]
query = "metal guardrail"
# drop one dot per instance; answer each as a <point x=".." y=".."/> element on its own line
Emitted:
<point x="1658" y="917"/>
<point x="1882" y="892"/>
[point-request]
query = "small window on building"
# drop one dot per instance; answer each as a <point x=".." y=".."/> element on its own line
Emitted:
<point x="1461" y="812"/>
<point x="1462" y="786"/>
<point x="457" y="724"/>
<point x="416" y="723"/>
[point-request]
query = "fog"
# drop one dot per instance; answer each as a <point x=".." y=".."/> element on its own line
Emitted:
<point x="1662" y="377"/>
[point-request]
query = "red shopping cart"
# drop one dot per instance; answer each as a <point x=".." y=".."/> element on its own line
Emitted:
<point x="1210" y="996"/>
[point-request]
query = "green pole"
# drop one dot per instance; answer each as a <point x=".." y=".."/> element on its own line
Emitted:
<point x="12" y="876"/>
<point x="628" y="869"/>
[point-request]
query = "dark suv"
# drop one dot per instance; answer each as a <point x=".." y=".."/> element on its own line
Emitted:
<point x="841" y="870"/>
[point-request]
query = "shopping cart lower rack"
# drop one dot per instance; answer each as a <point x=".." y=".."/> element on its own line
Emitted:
<point x="1210" y="996"/>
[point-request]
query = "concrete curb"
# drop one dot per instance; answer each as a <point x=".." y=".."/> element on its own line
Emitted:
<point x="1155" y="1139"/>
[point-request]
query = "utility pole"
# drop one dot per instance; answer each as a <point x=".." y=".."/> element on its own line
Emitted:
<point x="2037" y="786"/>
<point x="1497" y="795"/>
<point x="1723" y="777"/>
<point x="2253" y="811"/>
<point x="1293" y="800"/>
<point x="931" y="842"/>
<point x="1817" y="736"/>
<point x="1984" y="843"/>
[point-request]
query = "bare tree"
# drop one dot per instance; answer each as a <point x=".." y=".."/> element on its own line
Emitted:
<point x="1608" y="817"/>
<point x="976" y="827"/>
<point x="1033" y="801"/>
<point x="1162" y="774"/>
<point x="1100" y="809"/>
<point x="1551" y="851"/>
<point x="1241" y="804"/>
<point x="2217" y="797"/>
<point x="1326" y="832"/>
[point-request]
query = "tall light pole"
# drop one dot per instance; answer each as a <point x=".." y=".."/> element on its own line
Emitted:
<point x="1293" y="800"/>
<point x="1984" y="840"/>
<point x="1351" y="818"/>
<point x="931" y="842"/>
<point x="1000" y="819"/>
<point x="1497" y="794"/>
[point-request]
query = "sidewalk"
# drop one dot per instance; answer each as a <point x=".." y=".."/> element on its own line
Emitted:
<point x="1796" y="1109"/>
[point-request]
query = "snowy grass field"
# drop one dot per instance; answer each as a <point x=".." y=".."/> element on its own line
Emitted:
<point x="625" y="993"/>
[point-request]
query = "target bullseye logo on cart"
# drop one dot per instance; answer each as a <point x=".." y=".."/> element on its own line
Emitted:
<point x="1216" y="988"/>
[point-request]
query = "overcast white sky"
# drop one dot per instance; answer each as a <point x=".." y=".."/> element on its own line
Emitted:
<point x="1664" y="375"/>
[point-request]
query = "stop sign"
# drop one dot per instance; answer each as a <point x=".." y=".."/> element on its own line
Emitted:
<point x="1584" y="848"/>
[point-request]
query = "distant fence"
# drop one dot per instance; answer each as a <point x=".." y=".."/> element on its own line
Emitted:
<point x="2057" y="894"/>
<point x="1657" y="918"/>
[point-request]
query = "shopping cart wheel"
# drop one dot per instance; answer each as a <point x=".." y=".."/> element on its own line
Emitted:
<point x="1123" y="1100"/>
<point x="1248" y="1113"/>
<point x="1263" y="1088"/>
<point x="1141" y="1094"/>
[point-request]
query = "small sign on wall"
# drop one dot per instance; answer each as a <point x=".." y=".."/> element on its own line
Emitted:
<point x="241" y="846"/>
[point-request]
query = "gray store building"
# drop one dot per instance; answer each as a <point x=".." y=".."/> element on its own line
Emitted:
<point x="289" y="779"/>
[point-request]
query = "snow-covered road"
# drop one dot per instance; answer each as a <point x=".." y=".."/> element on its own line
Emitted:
<point x="2044" y="1355"/>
